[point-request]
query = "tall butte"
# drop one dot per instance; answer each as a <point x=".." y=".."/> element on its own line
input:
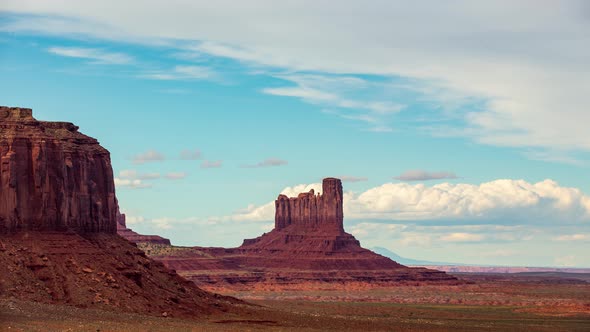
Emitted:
<point x="310" y="223"/>
<point x="308" y="247"/>
<point x="58" y="240"/>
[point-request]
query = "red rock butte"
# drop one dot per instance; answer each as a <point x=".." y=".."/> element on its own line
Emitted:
<point x="53" y="177"/>
<point x="307" y="248"/>
<point x="58" y="223"/>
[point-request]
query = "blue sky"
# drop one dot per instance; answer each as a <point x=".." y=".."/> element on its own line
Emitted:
<point x="463" y="140"/>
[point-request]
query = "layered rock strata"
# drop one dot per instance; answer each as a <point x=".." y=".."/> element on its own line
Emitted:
<point x="52" y="177"/>
<point x="58" y="241"/>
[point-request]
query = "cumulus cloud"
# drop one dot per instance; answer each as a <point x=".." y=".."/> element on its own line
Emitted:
<point x="270" y="162"/>
<point x="97" y="56"/>
<point x="211" y="164"/>
<point x="190" y="154"/>
<point x="148" y="156"/>
<point x="420" y="175"/>
<point x="497" y="201"/>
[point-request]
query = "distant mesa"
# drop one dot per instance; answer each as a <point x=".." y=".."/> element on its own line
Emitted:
<point x="307" y="248"/>
<point x="134" y="237"/>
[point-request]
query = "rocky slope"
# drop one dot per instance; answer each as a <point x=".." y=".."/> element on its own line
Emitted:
<point x="308" y="246"/>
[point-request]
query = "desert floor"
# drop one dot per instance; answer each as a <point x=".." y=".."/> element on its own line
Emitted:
<point x="533" y="302"/>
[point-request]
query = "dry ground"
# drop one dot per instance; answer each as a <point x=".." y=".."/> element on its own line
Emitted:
<point x="491" y="304"/>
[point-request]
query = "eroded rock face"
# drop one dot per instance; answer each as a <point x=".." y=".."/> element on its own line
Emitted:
<point x="310" y="211"/>
<point x="52" y="177"/>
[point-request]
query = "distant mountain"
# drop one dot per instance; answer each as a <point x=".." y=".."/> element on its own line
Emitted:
<point x="474" y="268"/>
<point x="407" y="261"/>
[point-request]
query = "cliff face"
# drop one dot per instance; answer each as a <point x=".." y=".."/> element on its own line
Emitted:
<point x="53" y="177"/>
<point x="310" y="212"/>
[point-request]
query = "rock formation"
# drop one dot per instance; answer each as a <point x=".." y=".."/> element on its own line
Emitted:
<point x="308" y="211"/>
<point x="134" y="237"/>
<point x="53" y="177"/>
<point x="58" y="241"/>
<point x="307" y="248"/>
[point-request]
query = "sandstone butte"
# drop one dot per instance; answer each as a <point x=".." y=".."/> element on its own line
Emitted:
<point x="308" y="248"/>
<point x="58" y="224"/>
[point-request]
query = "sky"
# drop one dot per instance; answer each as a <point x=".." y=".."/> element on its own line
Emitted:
<point x="459" y="128"/>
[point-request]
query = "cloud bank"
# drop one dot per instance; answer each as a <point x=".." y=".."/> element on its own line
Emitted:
<point x="498" y="201"/>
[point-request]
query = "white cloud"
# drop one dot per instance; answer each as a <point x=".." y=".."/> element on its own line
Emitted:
<point x="148" y="176"/>
<point x="270" y="162"/>
<point x="525" y="62"/>
<point x="162" y="223"/>
<point x="131" y="183"/>
<point x="211" y="164"/>
<point x="330" y="91"/>
<point x="516" y="201"/>
<point x="131" y="174"/>
<point x="97" y="56"/>
<point x="131" y="220"/>
<point x="176" y="176"/>
<point x="420" y="175"/>
<point x="148" y="156"/>
<point x="182" y="73"/>
<point x="572" y="237"/>
<point x="461" y="237"/>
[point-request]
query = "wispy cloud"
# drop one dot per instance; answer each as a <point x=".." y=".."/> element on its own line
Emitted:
<point x="148" y="156"/>
<point x="97" y="56"/>
<point x="270" y="162"/>
<point x="191" y="154"/>
<point x="131" y="183"/>
<point x="333" y="91"/>
<point x="461" y="237"/>
<point x="175" y="176"/>
<point x="421" y="175"/>
<point x="572" y="237"/>
<point x="347" y="178"/>
<point x="211" y="164"/>
<point x="133" y="174"/>
<point x="182" y="73"/>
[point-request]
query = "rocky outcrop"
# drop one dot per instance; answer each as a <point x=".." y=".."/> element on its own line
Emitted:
<point x="312" y="212"/>
<point x="307" y="248"/>
<point x="52" y="177"/>
<point x="58" y="224"/>
<point x="134" y="237"/>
